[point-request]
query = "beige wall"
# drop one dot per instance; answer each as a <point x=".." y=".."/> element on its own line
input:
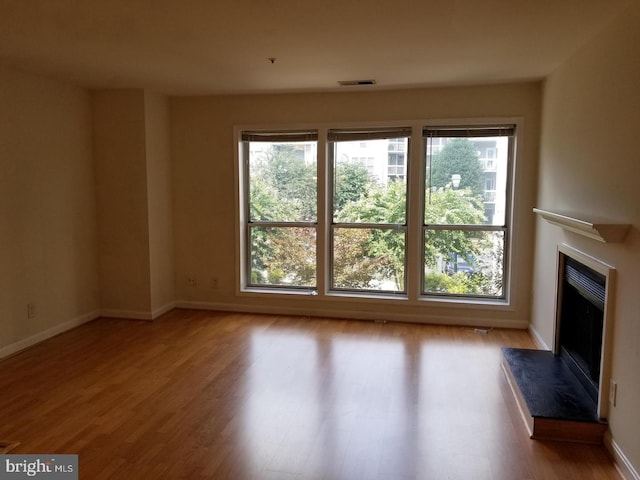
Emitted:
<point x="590" y="165"/>
<point x="205" y="226"/>
<point x="133" y="178"/>
<point x="48" y="248"/>
<point x="85" y="207"/>
<point x="119" y="147"/>
<point x="160" y="204"/>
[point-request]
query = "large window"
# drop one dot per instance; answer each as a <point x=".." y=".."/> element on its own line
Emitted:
<point x="465" y="225"/>
<point x="280" y="175"/>
<point x="369" y="213"/>
<point x="377" y="216"/>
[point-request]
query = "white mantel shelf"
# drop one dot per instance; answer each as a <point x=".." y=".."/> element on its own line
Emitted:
<point x="601" y="231"/>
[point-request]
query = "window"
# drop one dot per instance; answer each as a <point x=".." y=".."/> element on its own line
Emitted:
<point x="280" y="177"/>
<point x="345" y="224"/>
<point x="368" y="231"/>
<point x="463" y="238"/>
<point x="396" y="168"/>
<point x="489" y="184"/>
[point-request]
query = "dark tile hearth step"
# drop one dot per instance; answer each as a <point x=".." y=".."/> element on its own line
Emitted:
<point x="554" y="404"/>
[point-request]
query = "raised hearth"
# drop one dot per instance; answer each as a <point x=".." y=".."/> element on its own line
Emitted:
<point x="553" y="402"/>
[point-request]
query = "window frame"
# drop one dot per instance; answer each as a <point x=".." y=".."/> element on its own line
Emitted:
<point x="483" y="130"/>
<point x="352" y="135"/>
<point x="267" y="136"/>
<point x="414" y="252"/>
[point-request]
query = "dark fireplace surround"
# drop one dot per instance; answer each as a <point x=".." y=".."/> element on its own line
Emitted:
<point x="581" y="301"/>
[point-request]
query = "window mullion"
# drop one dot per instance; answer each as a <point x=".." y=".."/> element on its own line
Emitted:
<point x="415" y="187"/>
<point x="324" y="212"/>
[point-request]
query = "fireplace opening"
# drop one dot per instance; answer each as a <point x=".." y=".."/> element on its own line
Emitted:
<point x="581" y="323"/>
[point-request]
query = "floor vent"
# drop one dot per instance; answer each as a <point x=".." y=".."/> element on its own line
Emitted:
<point x="352" y="83"/>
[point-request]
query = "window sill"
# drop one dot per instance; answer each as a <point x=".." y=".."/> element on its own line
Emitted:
<point x="368" y="297"/>
<point x="280" y="291"/>
<point x="482" y="303"/>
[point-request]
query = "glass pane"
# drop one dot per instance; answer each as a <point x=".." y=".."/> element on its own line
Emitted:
<point x="283" y="256"/>
<point x="368" y="259"/>
<point x="365" y="189"/>
<point x="466" y="181"/>
<point x="462" y="262"/>
<point x="282" y="181"/>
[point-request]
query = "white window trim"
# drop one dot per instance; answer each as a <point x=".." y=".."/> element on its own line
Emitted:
<point x="415" y="182"/>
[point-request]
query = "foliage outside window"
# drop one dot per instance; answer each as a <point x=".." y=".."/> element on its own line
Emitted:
<point x="369" y="210"/>
<point x="464" y="205"/>
<point x="281" y="212"/>
<point x="465" y="228"/>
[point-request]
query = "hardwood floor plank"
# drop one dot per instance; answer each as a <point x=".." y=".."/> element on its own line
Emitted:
<point x="212" y="395"/>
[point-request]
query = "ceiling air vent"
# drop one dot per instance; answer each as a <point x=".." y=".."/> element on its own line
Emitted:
<point x="351" y="83"/>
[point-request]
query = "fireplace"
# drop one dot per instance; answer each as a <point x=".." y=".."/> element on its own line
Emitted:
<point x="563" y="393"/>
<point x="584" y="285"/>
<point x="581" y="322"/>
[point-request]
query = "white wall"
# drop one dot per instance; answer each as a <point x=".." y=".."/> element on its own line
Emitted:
<point x="204" y="214"/>
<point x="590" y="165"/>
<point x="48" y="247"/>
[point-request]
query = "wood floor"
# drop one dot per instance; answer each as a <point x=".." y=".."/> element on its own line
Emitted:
<point x="208" y="395"/>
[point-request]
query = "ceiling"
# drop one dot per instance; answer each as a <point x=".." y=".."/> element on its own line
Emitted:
<point x="191" y="47"/>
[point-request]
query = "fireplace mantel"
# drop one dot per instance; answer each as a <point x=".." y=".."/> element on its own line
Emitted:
<point x="601" y="231"/>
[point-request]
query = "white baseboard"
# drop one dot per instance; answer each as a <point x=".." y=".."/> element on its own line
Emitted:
<point x="622" y="463"/>
<point x="537" y="338"/>
<point x="162" y="310"/>
<point x="138" y="314"/>
<point x="356" y="315"/>
<point x="44" y="335"/>
<point x="130" y="314"/>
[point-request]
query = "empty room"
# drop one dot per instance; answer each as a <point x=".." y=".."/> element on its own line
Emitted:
<point x="262" y="240"/>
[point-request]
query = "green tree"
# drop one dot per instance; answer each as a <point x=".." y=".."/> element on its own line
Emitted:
<point x="355" y="263"/>
<point x="447" y="206"/>
<point x="292" y="258"/>
<point x="383" y="204"/>
<point x="351" y="181"/>
<point x="459" y="157"/>
<point x="287" y="183"/>
<point x="379" y="254"/>
<point x="282" y="188"/>
<point x="264" y="201"/>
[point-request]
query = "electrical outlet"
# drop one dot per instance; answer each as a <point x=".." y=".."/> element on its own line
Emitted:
<point x="214" y="283"/>
<point x="31" y="310"/>
<point x="191" y="281"/>
<point x="613" y="392"/>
